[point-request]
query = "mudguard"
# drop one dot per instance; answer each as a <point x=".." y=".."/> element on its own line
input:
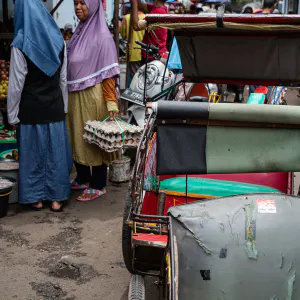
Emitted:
<point x="243" y="247"/>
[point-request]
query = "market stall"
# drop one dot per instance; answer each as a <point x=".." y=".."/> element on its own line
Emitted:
<point x="8" y="143"/>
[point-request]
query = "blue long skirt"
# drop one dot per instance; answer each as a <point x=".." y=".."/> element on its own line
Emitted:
<point x="45" y="163"/>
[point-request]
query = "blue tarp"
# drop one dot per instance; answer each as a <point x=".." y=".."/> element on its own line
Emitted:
<point x="174" y="57"/>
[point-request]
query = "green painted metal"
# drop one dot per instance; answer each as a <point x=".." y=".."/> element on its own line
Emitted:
<point x="212" y="187"/>
<point x="251" y="150"/>
<point x="256" y="98"/>
<point x="284" y="114"/>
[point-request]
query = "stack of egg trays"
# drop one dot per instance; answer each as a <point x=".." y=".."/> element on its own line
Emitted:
<point x="108" y="135"/>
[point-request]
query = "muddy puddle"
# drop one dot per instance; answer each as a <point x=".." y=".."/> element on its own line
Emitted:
<point x="81" y="273"/>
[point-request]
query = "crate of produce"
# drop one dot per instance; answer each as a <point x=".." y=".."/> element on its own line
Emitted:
<point x="4" y="72"/>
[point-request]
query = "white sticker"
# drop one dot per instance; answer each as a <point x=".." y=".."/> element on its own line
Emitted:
<point x="266" y="206"/>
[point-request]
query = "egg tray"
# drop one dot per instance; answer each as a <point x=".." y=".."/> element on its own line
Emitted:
<point x="103" y="146"/>
<point x="113" y="137"/>
<point x="109" y="136"/>
<point x="106" y="147"/>
<point x="113" y="127"/>
<point x="92" y="138"/>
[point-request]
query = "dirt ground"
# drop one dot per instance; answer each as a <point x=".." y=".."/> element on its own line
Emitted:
<point x="71" y="255"/>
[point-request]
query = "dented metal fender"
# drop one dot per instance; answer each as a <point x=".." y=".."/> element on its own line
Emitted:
<point x="243" y="247"/>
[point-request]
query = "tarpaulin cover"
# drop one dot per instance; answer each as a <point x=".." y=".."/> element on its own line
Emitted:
<point x="196" y="149"/>
<point x="261" y="58"/>
<point x="183" y="148"/>
<point x="243" y="247"/>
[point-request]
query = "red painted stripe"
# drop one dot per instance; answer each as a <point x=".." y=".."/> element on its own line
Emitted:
<point x="150" y="237"/>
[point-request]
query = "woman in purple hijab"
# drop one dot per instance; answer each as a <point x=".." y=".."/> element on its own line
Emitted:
<point x="93" y="71"/>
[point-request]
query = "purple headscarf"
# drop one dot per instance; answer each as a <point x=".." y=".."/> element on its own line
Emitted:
<point x="92" y="54"/>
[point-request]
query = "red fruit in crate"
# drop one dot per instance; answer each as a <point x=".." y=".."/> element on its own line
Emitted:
<point x="2" y="66"/>
<point x="3" y="77"/>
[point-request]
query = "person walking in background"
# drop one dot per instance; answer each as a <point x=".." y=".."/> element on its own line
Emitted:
<point x="37" y="104"/>
<point x="269" y="6"/>
<point x="157" y="37"/>
<point x="68" y="32"/>
<point x="68" y="28"/>
<point x="228" y="9"/>
<point x="93" y="75"/>
<point x="248" y="10"/>
<point x="135" y="56"/>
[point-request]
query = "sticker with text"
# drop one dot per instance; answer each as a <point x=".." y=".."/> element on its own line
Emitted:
<point x="266" y="206"/>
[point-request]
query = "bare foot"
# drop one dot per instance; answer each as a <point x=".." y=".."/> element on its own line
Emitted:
<point x="37" y="205"/>
<point x="56" y="205"/>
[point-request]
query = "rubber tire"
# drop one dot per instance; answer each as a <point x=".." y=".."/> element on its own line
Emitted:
<point x="126" y="236"/>
<point x="136" y="288"/>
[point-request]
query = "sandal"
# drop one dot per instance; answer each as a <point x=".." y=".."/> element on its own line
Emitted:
<point x="90" y="194"/>
<point x="77" y="186"/>
<point x="60" y="209"/>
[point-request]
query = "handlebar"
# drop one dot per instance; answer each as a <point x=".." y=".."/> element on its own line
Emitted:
<point x="152" y="48"/>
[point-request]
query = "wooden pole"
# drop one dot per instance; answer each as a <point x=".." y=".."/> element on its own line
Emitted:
<point x="56" y="7"/>
<point x="128" y="52"/>
<point x="116" y="39"/>
<point x="116" y="24"/>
